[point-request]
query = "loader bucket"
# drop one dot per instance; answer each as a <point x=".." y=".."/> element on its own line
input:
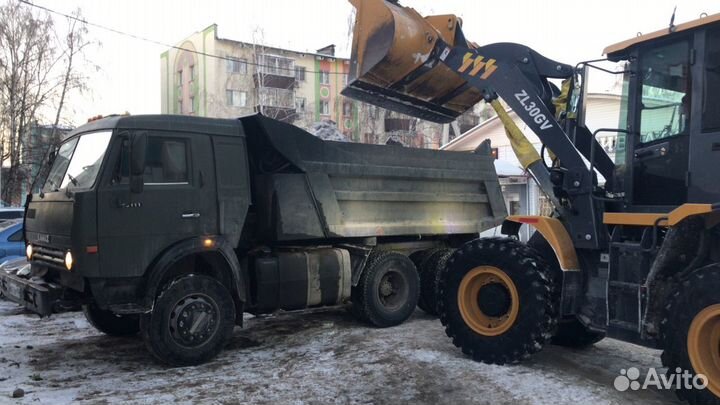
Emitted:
<point x="394" y="62"/>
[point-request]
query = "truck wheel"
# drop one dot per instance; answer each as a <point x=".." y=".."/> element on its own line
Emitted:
<point x="420" y="259"/>
<point x="691" y="334"/>
<point x="430" y="280"/>
<point x="110" y="323"/>
<point x="496" y="300"/>
<point x="388" y="290"/>
<point x="192" y="320"/>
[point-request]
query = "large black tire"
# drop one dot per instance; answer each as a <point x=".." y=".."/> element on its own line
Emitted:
<point x="496" y="300"/>
<point x="420" y="258"/>
<point x="430" y="275"/>
<point x="192" y="320"/>
<point x="691" y="315"/>
<point x="388" y="290"/>
<point x="569" y="332"/>
<point x="111" y="324"/>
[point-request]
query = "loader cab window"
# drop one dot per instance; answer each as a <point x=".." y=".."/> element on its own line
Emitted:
<point x="661" y="149"/>
<point x="711" y="94"/>
<point x="665" y="93"/>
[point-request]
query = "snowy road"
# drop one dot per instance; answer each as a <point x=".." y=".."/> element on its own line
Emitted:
<point x="321" y="357"/>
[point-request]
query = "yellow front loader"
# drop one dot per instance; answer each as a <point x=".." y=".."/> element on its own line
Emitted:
<point x="632" y="250"/>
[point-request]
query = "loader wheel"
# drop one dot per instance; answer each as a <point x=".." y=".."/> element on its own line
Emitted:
<point x="430" y="280"/>
<point x="109" y="323"/>
<point x="569" y="332"/>
<point x="191" y="322"/>
<point x="388" y="290"/>
<point x="572" y="333"/>
<point x="691" y="334"/>
<point x="496" y="300"/>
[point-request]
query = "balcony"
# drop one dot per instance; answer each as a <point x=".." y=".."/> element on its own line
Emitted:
<point x="275" y="71"/>
<point x="277" y="103"/>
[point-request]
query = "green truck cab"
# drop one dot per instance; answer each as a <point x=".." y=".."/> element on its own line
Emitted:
<point x="174" y="226"/>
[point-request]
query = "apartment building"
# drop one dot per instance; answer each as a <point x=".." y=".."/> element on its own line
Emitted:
<point x="207" y="75"/>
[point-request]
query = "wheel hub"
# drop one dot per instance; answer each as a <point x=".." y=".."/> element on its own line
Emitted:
<point x="494" y="300"/>
<point x="704" y="346"/>
<point x="488" y="301"/>
<point x="194" y="320"/>
<point x="392" y="290"/>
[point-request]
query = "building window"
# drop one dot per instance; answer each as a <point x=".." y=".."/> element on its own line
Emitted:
<point x="300" y="103"/>
<point x="192" y="105"/>
<point x="179" y="78"/>
<point x="324" y="107"/>
<point x="345" y="79"/>
<point x="236" y="98"/>
<point x="179" y="107"/>
<point x="347" y="108"/>
<point x="300" y="73"/>
<point x="165" y="161"/>
<point x="324" y="77"/>
<point x="236" y="65"/>
<point x="192" y="73"/>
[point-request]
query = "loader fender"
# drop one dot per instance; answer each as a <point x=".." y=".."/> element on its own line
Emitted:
<point x="553" y="231"/>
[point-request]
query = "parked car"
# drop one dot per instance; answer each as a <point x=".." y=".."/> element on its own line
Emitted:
<point x="11" y="239"/>
<point x="11" y="213"/>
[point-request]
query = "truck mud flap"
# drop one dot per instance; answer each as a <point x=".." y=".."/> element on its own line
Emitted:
<point x="36" y="297"/>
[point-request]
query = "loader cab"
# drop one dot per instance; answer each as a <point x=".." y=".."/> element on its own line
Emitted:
<point x="671" y="106"/>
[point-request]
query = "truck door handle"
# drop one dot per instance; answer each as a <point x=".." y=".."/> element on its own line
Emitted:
<point x="191" y="215"/>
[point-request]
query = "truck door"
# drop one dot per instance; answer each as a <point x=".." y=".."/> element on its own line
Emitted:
<point x="178" y="201"/>
<point x="705" y="146"/>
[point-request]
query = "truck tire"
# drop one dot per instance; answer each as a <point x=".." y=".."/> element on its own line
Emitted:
<point x="569" y="332"/>
<point x="496" y="300"/>
<point x="192" y="320"/>
<point x="388" y="290"/>
<point x="110" y="323"/>
<point x="430" y="275"/>
<point x="689" y="334"/>
<point x="420" y="259"/>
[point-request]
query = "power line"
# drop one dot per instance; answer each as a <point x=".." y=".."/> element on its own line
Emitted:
<point x="155" y="42"/>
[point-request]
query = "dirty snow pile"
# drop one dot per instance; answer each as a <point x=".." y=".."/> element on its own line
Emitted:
<point x="318" y="357"/>
<point x="327" y="130"/>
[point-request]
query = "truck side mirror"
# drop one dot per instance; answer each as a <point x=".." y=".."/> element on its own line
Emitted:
<point x="137" y="161"/>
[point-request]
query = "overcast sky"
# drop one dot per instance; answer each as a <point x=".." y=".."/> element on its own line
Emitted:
<point x="129" y="79"/>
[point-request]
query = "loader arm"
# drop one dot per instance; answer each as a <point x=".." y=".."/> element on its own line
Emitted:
<point x="425" y="67"/>
<point x="518" y="75"/>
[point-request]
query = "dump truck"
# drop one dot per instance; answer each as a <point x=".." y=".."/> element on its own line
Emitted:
<point x="631" y="249"/>
<point x="174" y="226"/>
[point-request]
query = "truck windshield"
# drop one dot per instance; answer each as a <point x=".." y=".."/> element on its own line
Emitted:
<point x="78" y="161"/>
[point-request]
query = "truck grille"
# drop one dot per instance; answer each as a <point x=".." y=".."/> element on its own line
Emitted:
<point x="49" y="256"/>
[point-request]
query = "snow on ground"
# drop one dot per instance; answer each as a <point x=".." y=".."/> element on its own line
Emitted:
<point x="319" y="357"/>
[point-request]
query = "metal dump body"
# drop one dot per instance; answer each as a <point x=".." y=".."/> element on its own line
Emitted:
<point x="307" y="188"/>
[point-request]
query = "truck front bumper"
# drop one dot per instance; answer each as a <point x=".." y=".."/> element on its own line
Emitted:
<point x="39" y="297"/>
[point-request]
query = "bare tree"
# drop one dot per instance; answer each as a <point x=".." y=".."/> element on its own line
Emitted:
<point x="37" y="72"/>
<point x="27" y="58"/>
<point x="274" y="95"/>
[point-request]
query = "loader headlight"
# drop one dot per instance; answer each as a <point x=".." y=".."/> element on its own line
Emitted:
<point x="29" y="251"/>
<point x="68" y="260"/>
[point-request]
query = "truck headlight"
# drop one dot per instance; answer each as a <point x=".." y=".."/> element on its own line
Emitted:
<point x="29" y="251"/>
<point x="68" y="260"/>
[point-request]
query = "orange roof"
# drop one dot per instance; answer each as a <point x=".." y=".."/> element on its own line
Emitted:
<point x="621" y="46"/>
